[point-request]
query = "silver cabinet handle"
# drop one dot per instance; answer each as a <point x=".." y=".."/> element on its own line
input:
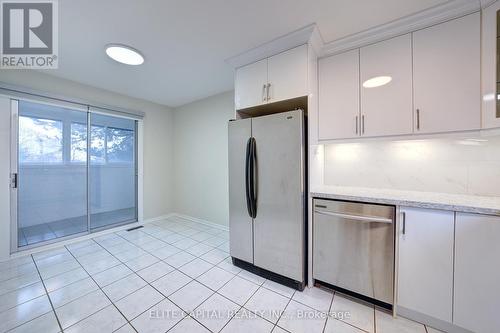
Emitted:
<point x="363" y="124"/>
<point x="418" y="119"/>
<point x="356" y="217"/>
<point x="268" y="94"/>
<point x="264" y="92"/>
<point x="357" y="125"/>
<point x="403" y="217"/>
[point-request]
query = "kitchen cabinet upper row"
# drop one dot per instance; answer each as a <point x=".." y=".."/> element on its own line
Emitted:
<point x="277" y="78"/>
<point x="427" y="81"/>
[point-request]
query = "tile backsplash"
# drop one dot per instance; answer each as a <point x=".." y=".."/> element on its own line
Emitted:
<point x="458" y="166"/>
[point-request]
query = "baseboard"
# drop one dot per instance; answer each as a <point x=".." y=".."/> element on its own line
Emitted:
<point x="430" y="321"/>
<point x="157" y="218"/>
<point x="201" y="221"/>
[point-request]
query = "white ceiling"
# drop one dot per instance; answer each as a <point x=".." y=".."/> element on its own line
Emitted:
<point x="185" y="42"/>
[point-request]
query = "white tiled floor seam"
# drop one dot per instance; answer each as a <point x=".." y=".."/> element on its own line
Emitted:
<point x="93" y="279"/>
<point x="184" y="230"/>
<point x="241" y="307"/>
<point x="148" y="266"/>
<point x="125" y="263"/>
<point x="215" y="291"/>
<point x="281" y="314"/>
<point x="46" y="294"/>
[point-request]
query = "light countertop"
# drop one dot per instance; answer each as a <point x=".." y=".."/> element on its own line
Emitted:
<point x="431" y="200"/>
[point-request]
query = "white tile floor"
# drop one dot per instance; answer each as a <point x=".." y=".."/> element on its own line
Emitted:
<point x="175" y="276"/>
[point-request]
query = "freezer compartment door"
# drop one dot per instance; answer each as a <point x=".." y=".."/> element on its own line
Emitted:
<point x="240" y="221"/>
<point x="279" y="174"/>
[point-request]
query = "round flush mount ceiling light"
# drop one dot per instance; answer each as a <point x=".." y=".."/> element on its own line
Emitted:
<point x="377" y="81"/>
<point x="124" y="54"/>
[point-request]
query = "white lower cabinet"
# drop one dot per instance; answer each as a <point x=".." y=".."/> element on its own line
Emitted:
<point x="477" y="273"/>
<point x="425" y="275"/>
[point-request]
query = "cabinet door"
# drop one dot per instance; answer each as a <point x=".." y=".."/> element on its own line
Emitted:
<point x="249" y="85"/>
<point x="477" y="273"/>
<point x="338" y="116"/>
<point x="387" y="109"/>
<point x="489" y="66"/>
<point x="446" y="71"/>
<point x="287" y="74"/>
<point x="426" y="262"/>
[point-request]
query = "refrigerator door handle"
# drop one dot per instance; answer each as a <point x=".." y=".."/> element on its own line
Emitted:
<point x="253" y="177"/>
<point x="247" y="177"/>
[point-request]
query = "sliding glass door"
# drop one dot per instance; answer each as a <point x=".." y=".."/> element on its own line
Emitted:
<point x="75" y="171"/>
<point x="113" y="195"/>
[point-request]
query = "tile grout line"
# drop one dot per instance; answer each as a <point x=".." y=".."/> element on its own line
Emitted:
<point x="178" y="233"/>
<point x="100" y="290"/>
<point x="15" y="290"/>
<point x="180" y="250"/>
<point x="138" y="246"/>
<point x="149" y="284"/>
<point x="328" y="312"/>
<point x="166" y="297"/>
<point x="241" y="306"/>
<point x="47" y="294"/>
<point x="260" y="287"/>
<point x="162" y="260"/>
<point x="352" y="325"/>
<point x="196" y="256"/>
<point x="192" y="279"/>
<point x="216" y="292"/>
<point x="281" y="315"/>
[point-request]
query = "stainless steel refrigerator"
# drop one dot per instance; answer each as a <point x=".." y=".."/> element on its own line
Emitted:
<point x="267" y="196"/>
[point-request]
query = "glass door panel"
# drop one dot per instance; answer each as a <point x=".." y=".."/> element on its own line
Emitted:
<point x="52" y="173"/>
<point x="113" y="181"/>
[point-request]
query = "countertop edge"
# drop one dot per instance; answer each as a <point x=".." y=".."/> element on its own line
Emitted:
<point x="409" y="203"/>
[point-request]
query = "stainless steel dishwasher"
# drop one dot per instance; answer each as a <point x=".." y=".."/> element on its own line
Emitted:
<point x="353" y="248"/>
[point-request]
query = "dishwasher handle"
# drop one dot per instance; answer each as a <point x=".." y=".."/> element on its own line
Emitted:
<point x="356" y="217"/>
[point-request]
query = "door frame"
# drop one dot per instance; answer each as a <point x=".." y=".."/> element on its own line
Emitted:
<point x="14" y="137"/>
<point x="14" y="170"/>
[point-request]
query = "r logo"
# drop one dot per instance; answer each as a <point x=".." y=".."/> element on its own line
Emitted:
<point x="27" y="27"/>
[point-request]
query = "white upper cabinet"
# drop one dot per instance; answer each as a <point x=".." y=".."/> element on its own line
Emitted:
<point x="280" y="77"/>
<point x="425" y="276"/>
<point x="339" y="96"/>
<point x="287" y="74"/>
<point x="490" y="67"/>
<point x="477" y="273"/>
<point x="386" y="108"/>
<point x="434" y="87"/>
<point x="250" y="85"/>
<point x="446" y="76"/>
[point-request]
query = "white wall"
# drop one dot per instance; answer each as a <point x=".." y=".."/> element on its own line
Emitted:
<point x="201" y="169"/>
<point x="157" y="147"/>
<point x="445" y="165"/>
